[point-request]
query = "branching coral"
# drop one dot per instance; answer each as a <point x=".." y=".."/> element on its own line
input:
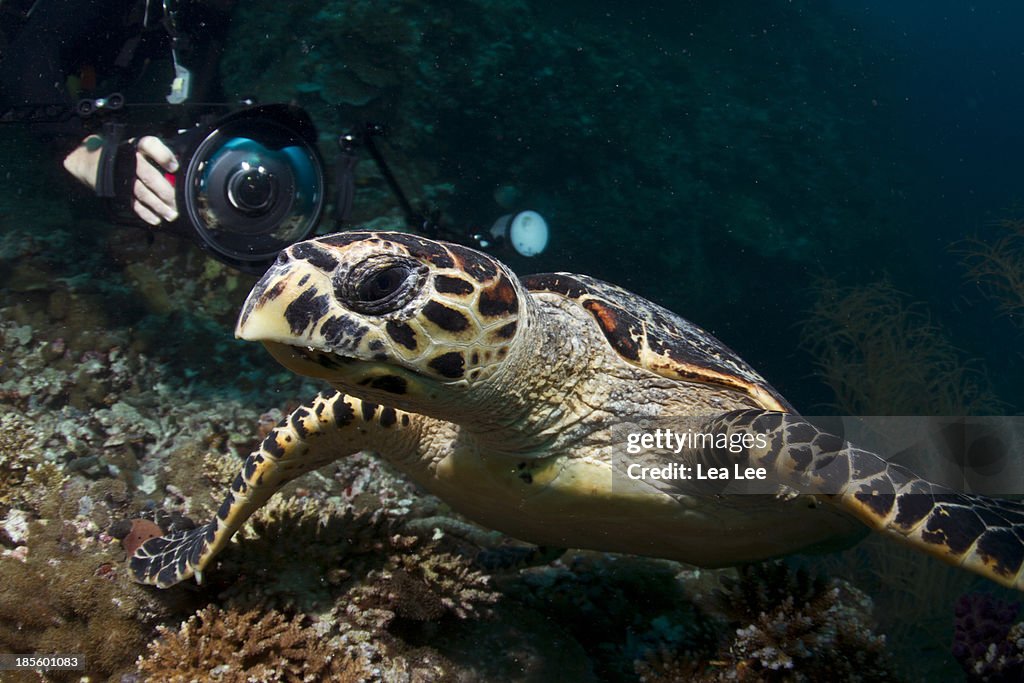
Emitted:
<point x="422" y="585"/>
<point x="369" y="587"/>
<point x="787" y="626"/>
<point x="796" y="627"/>
<point x="243" y="647"/>
<point x="988" y="641"/>
<point x="884" y="356"/>
<point x="619" y="609"/>
<point x="297" y="553"/>
<point x="307" y="553"/>
<point x="911" y="592"/>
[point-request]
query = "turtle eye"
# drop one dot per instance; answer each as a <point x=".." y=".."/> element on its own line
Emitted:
<point x="377" y="288"/>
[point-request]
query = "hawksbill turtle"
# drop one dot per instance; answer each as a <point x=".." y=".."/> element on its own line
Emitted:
<point x="507" y="398"/>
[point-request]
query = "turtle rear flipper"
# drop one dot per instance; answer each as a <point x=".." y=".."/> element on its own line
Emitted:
<point x="329" y="428"/>
<point x="984" y="535"/>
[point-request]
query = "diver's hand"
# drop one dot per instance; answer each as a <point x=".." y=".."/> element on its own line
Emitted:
<point x="84" y="161"/>
<point x="153" y="194"/>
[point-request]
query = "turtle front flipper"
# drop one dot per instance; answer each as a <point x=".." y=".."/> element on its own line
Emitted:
<point x="984" y="535"/>
<point x="313" y="435"/>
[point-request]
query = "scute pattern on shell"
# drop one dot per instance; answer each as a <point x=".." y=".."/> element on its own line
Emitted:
<point x="657" y="339"/>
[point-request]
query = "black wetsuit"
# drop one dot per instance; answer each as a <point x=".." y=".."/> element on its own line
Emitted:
<point x="62" y="38"/>
<point x="119" y="45"/>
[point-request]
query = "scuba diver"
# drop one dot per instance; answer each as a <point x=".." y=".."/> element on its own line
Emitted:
<point x="61" y="52"/>
<point x="241" y="185"/>
<point x="82" y="74"/>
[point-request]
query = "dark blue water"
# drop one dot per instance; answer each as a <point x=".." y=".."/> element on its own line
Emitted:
<point x="927" y="98"/>
<point x="953" y="92"/>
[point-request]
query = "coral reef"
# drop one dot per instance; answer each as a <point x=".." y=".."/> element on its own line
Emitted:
<point x="424" y="585"/>
<point x="297" y="552"/>
<point x="90" y="407"/>
<point x="881" y="355"/>
<point x="68" y="592"/>
<point x="124" y="395"/>
<point x="245" y="647"/>
<point x="988" y="641"/>
<point x="786" y="626"/>
<point x="617" y="608"/>
<point x="352" y="559"/>
<point x="812" y="627"/>
<point x="93" y="410"/>
<point x="25" y="477"/>
<point x="912" y="594"/>
<point x="368" y="587"/>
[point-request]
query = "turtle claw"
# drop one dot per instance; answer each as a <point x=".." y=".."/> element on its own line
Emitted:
<point x="167" y="560"/>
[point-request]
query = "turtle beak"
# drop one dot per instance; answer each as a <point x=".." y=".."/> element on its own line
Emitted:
<point x="263" y="315"/>
<point x="282" y="311"/>
<point x="286" y="305"/>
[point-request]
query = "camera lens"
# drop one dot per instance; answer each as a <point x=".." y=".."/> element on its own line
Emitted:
<point x="246" y="193"/>
<point x="252" y="189"/>
<point x="253" y="185"/>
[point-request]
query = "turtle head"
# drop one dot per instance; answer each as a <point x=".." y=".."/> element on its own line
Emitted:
<point x="389" y="317"/>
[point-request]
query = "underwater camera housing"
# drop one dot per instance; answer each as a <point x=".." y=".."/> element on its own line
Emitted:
<point x="249" y="184"/>
<point x="252" y="183"/>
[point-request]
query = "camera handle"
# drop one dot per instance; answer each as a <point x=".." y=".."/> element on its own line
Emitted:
<point x="112" y="160"/>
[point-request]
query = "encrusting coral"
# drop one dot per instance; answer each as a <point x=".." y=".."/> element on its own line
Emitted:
<point x="25" y="478"/>
<point x="68" y="594"/>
